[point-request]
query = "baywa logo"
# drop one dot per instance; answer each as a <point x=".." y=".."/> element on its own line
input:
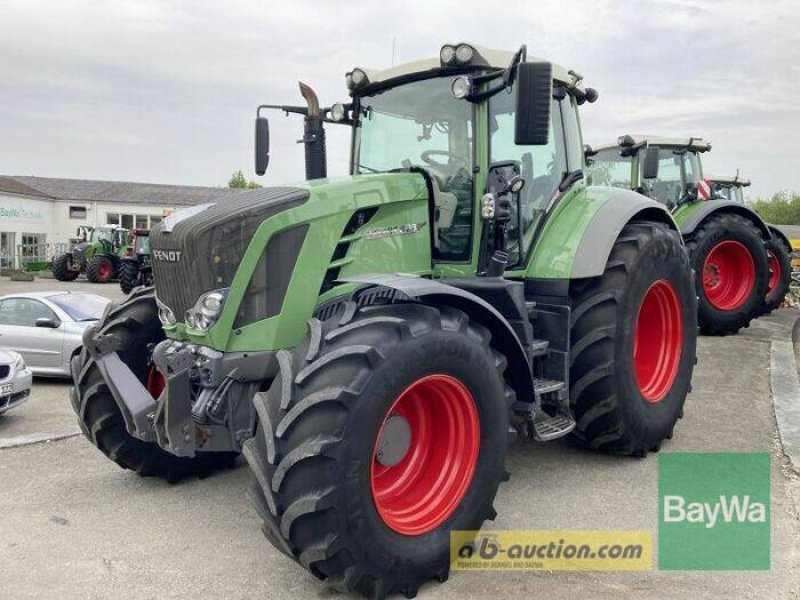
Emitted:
<point x="714" y="511"/>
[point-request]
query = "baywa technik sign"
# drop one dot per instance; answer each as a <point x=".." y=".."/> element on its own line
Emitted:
<point x="13" y="213"/>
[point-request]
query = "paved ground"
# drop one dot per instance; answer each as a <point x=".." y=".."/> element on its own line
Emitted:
<point x="72" y="524"/>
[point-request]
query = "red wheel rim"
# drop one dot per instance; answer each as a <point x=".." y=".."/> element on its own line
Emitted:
<point x="729" y="273"/>
<point x="774" y="271"/>
<point x="155" y="382"/>
<point x="422" y="490"/>
<point x="104" y="270"/>
<point x="657" y="341"/>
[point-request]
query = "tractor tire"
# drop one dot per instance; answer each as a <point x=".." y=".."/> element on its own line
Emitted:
<point x="731" y="270"/>
<point x="136" y="324"/>
<point x="100" y="269"/>
<point x="61" y="270"/>
<point x="633" y="343"/>
<point x="385" y="429"/>
<point x="780" y="274"/>
<point x="128" y="276"/>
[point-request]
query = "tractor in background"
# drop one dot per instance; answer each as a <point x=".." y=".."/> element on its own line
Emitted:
<point x="726" y="241"/>
<point x="96" y="251"/>
<point x="371" y="344"/>
<point x="135" y="268"/>
<point x="779" y="249"/>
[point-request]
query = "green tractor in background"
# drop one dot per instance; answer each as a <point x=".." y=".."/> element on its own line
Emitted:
<point x="726" y="240"/>
<point x="136" y="267"/>
<point x="779" y="250"/>
<point x="96" y="251"/>
<point x="372" y="343"/>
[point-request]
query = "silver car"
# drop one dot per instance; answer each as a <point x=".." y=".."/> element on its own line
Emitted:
<point x="15" y="380"/>
<point x="46" y="327"/>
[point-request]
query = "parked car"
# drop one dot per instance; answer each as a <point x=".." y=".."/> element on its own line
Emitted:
<point x="46" y="328"/>
<point x="15" y="380"/>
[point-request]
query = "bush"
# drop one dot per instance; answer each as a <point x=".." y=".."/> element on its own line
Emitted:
<point x="782" y="209"/>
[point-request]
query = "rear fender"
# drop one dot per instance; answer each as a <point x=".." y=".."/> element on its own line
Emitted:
<point x="777" y="233"/>
<point x="693" y="216"/>
<point x="504" y="339"/>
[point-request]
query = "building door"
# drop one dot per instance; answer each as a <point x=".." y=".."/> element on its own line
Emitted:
<point x="6" y="249"/>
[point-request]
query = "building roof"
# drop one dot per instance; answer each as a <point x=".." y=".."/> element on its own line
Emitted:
<point x="728" y="179"/>
<point x="123" y="192"/>
<point x="632" y="139"/>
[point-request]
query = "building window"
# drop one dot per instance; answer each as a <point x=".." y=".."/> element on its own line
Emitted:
<point x="141" y="221"/>
<point x="77" y="212"/>
<point x="112" y="219"/>
<point x="126" y="221"/>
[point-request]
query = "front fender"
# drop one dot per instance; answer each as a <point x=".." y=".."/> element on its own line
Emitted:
<point x="503" y="336"/>
<point x="777" y="233"/>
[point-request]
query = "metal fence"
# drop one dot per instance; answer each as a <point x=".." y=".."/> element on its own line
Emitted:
<point x="32" y="257"/>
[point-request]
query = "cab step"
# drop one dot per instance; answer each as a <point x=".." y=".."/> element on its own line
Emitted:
<point x="539" y="347"/>
<point x="546" y="428"/>
<point x="547" y="386"/>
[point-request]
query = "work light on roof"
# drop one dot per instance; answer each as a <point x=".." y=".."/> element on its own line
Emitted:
<point x="461" y="87"/>
<point x="464" y="54"/>
<point x="447" y="54"/>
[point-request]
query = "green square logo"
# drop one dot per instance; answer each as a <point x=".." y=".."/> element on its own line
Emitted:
<point x="714" y="511"/>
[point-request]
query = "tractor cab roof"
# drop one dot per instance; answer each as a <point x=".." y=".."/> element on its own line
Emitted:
<point x="482" y="58"/>
<point x="728" y="180"/>
<point x="689" y="143"/>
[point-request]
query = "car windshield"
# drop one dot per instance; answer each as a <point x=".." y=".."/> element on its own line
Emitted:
<point x="80" y="307"/>
<point x="421" y="125"/>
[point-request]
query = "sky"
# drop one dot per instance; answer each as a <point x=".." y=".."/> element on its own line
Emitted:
<point x="165" y="91"/>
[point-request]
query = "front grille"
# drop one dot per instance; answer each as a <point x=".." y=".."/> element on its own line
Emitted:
<point x="211" y="244"/>
<point x="4" y="371"/>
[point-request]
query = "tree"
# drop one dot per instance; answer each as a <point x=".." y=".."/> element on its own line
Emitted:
<point x="782" y="209"/>
<point x="238" y="181"/>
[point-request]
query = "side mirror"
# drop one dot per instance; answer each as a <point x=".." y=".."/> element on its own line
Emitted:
<point x="534" y="97"/>
<point x="49" y="323"/>
<point x="650" y="167"/>
<point x="262" y="145"/>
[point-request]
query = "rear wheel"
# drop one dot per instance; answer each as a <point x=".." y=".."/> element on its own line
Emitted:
<point x="633" y="339"/>
<point x="780" y="274"/>
<point x="384" y="430"/>
<point x="136" y="325"/>
<point x="100" y="269"/>
<point x="731" y="273"/>
<point x="61" y="269"/>
<point x="128" y="275"/>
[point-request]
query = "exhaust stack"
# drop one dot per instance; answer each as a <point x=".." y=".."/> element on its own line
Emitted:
<point x="314" y="136"/>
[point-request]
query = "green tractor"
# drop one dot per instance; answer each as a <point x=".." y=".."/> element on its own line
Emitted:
<point x="779" y="249"/>
<point x="136" y="267"/>
<point x="95" y="252"/>
<point x="726" y="240"/>
<point x="372" y="343"/>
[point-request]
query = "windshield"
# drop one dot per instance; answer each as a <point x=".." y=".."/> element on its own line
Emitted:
<point x="143" y="244"/>
<point x="80" y="307"/>
<point x="421" y="125"/>
<point x="101" y="234"/>
<point x="608" y="167"/>
<point x="678" y="172"/>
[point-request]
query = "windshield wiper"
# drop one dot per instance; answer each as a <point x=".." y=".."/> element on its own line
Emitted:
<point x="370" y="169"/>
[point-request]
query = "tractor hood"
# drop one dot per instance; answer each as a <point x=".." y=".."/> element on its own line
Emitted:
<point x="199" y="249"/>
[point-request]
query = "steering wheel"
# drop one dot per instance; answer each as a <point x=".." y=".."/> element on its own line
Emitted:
<point x="427" y="154"/>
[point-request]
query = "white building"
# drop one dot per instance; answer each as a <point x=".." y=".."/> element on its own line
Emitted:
<point x="46" y="212"/>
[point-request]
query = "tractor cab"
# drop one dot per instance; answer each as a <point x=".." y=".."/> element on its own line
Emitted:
<point x="668" y="170"/>
<point x="727" y="187"/>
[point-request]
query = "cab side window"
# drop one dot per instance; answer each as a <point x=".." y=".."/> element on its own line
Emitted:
<point x="23" y="312"/>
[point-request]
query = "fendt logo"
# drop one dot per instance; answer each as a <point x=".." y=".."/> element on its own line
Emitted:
<point x="167" y="255"/>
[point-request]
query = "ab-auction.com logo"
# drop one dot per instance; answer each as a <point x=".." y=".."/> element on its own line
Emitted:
<point x="714" y="511"/>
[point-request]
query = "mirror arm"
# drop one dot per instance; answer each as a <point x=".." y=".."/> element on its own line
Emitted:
<point x="570" y="178"/>
<point x="300" y="110"/>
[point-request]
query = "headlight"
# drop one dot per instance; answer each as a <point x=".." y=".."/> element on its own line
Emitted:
<point x="464" y="54"/>
<point x="447" y="54"/>
<point x="165" y="314"/>
<point x="206" y="310"/>
<point x="19" y="362"/>
<point x="461" y="87"/>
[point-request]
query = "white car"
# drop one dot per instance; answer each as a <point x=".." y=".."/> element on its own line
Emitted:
<point x="46" y="328"/>
<point x="15" y="380"/>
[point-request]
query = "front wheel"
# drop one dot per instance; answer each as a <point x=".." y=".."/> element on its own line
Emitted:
<point x="633" y="336"/>
<point x="780" y="274"/>
<point x="128" y="275"/>
<point x="61" y="268"/>
<point x="382" y="432"/>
